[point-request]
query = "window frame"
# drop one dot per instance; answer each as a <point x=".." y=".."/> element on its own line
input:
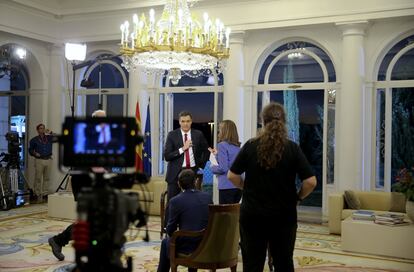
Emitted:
<point x="387" y="85"/>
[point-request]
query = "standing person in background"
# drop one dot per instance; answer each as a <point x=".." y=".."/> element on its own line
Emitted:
<point x="40" y="147"/>
<point x="185" y="148"/>
<point x="227" y="149"/>
<point x="270" y="163"/>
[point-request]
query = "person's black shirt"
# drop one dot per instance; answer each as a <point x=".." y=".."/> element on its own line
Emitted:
<point x="271" y="192"/>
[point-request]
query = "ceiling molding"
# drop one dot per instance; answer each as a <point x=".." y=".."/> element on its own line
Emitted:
<point x="77" y="7"/>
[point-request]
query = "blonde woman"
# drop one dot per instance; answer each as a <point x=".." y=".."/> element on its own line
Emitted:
<point x="227" y="149"/>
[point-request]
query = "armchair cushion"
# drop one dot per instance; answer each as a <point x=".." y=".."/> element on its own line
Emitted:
<point x="150" y="194"/>
<point x="352" y="200"/>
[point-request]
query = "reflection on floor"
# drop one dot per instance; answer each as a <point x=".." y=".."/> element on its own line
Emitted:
<point x="24" y="233"/>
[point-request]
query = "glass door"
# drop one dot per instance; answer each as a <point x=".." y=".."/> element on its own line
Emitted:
<point x="304" y="121"/>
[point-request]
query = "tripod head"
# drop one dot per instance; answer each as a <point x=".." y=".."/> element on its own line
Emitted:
<point x="12" y="158"/>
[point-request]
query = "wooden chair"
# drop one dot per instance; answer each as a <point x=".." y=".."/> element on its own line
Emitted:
<point x="219" y="246"/>
<point x="164" y="202"/>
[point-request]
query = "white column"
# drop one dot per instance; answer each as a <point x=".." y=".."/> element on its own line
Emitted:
<point x="138" y="92"/>
<point x="36" y="108"/>
<point x="54" y="96"/>
<point x="349" y="114"/>
<point x="233" y="98"/>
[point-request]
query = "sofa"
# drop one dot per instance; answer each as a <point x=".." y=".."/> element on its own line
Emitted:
<point x="150" y="194"/>
<point x="376" y="201"/>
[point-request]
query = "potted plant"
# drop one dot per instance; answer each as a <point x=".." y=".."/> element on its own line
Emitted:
<point x="405" y="185"/>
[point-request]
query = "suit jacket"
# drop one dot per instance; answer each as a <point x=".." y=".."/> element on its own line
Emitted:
<point x="188" y="211"/>
<point x="175" y="159"/>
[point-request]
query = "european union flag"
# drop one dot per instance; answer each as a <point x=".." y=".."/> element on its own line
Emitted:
<point x="146" y="152"/>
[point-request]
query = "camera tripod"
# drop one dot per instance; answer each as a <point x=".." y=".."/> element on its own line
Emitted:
<point x="65" y="179"/>
<point x="11" y="196"/>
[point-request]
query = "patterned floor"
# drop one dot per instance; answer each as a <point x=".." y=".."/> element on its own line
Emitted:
<point x="24" y="234"/>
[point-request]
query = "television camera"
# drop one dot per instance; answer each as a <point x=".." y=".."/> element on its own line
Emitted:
<point x="13" y="148"/>
<point x="11" y="175"/>
<point x="91" y="146"/>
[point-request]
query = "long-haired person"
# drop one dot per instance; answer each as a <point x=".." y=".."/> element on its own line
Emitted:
<point x="227" y="149"/>
<point x="268" y="214"/>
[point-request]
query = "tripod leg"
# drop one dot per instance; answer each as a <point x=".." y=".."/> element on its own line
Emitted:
<point x="14" y="180"/>
<point x="3" y="195"/>
<point x="21" y="175"/>
<point x="65" y="178"/>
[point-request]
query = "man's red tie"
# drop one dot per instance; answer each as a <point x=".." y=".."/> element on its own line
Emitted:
<point x="187" y="154"/>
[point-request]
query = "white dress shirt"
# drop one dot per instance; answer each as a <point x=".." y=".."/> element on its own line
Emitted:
<point x="192" y="160"/>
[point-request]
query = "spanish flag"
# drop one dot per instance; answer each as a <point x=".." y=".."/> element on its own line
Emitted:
<point x="139" y="167"/>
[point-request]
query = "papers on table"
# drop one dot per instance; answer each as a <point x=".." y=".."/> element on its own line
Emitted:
<point x="391" y="219"/>
<point x="363" y="215"/>
<point x="213" y="160"/>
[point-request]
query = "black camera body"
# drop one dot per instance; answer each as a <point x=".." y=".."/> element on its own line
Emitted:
<point x="12" y="158"/>
<point x="104" y="215"/>
<point x="89" y="145"/>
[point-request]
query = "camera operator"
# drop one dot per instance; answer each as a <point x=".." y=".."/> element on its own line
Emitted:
<point x="41" y="149"/>
<point x="78" y="181"/>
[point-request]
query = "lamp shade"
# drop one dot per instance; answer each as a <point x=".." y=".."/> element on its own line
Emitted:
<point x="74" y="51"/>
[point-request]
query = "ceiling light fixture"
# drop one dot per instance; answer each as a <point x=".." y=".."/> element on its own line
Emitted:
<point x="177" y="42"/>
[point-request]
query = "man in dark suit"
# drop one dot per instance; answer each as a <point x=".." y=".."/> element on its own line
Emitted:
<point x="185" y="148"/>
<point x="188" y="211"/>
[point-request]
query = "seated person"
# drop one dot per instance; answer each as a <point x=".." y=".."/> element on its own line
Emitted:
<point x="188" y="211"/>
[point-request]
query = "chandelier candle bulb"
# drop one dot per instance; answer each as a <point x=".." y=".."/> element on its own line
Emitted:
<point x="135" y="20"/>
<point x="122" y="27"/>
<point x="132" y="40"/>
<point x="180" y="17"/>
<point x="190" y="28"/>
<point x="126" y="24"/>
<point x="228" y="30"/>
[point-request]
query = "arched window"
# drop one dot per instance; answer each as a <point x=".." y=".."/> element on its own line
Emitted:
<point x="14" y="83"/>
<point x="300" y="75"/>
<point x="305" y="68"/>
<point x="106" y="83"/>
<point x="394" y="113"/>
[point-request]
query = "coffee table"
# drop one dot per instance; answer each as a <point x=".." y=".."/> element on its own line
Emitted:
<point x="367" y="237"/>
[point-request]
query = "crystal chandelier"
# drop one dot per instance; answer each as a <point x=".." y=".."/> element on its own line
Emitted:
<point x="177" y="42"/>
